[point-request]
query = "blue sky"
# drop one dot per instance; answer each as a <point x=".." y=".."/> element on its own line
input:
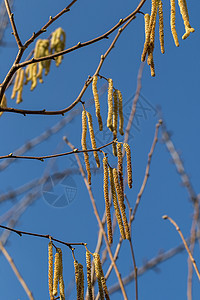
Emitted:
<point x="175" y="88"/>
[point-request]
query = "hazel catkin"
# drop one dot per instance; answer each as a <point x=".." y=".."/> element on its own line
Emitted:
<point x="84" y="146"/>
<point x="50" y="269"/>
<point x="106" y="197"/>
<point x="115" y="204"/>
<point x="89" y="279"/>
<point x="129" y="165"/>
<point x="96" y="101"/>
<point x="110" y="104"/>
<point x="92" y="138"/>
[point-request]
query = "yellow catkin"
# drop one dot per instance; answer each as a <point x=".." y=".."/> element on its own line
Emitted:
<point x="115" y="121"/>
<point x="50" y="270"/>
<point x="150" y="60"/>
<point x="99" y="274"/>
<point x="61" y="281"/>
<point x="115" y="204"/>
<point x="103" y="281"/>
<point x="18" y="85"/>
<point x="58" y="39"/>
<point x="3" y="103"/>
<point x="92" y="138"/>
<point x="151" y="44"/>
<point x="161" y="26"/>
<point x="56" y="273"/>
<point x="120" y="166"/>
<point x="110" y="104"/>
<point x="106" y="197"/>
<point x="84" y="146"/>
<point x="121" y="204"/>
<point x="151" y="24"/>
<point x="185" y="16"/>
<point x="79" y="278"/>
<point x="96" y="101"/>
<point x="172" y="22"/>
<point x="121" y="116"/>
<point x="81" y="284"/>
<point x="115" y="111"/>
<point x="129" y="166"/>
<point x="89" y="279"/>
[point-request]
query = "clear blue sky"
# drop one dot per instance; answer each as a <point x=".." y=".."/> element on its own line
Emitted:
<point x="175" y="88"/>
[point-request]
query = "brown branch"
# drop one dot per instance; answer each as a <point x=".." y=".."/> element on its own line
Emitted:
<point x="42" y="158"/>
<point x="192" y="243"/>
<point x="22" y="48"/>
<point x="185" y="244"/>
<point x="16" y="66"/>
<point x="15" y="270"/>
<point x="147" y="169"/>
<point x="47" y="236"/>
<point x="12" y="22"/>
<point x="99" y="222"/>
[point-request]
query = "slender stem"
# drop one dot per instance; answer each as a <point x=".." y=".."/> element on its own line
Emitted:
<point x="16" y="66"/>
<point x="15" y="270"/>
<point x="42" y="158"/>
<point x="12" y="22"/>
<point x="47" y="236"/>
<point x="147" y="169"/>
<point x="185" y="244"/>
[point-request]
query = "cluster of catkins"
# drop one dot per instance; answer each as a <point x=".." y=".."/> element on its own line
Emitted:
<point x="115" y="109"/>
<point x="150" y="24"/>
<point x="55" y="276"/>
<point x="34" y="71"/>
<point x="117" y="191"/>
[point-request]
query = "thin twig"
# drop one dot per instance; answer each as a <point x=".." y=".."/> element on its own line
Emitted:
<point x="192" y="243"/>
<point x="149" y="265"/>
<point x="42" y="158"/>
<point x="147" y="169"/>
<point x="16" y="66"/>
<point x="15" y="270"/>
<point x="47" y="236"/>
<point x="12" y="22"/>
<point x="185" y="244"/>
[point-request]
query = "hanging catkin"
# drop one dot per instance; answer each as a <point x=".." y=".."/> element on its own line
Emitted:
<point x="185" y="16"/>
<point x="18" y="85"/>
<point x="100" y="277"/>
<point x="56" y="273"/>
<point x="106" y="197"/>
<point x="84" y="146"/>
<point x="92" y="138"/>
<point x="120" y="197"/>
<point x="121" y="116"/>
<point x="79" y="277"/>
<point x="110" y="104"/>
<point x="129" y="166"/>
<point x="89" y="279"/>
<point x="120" y="166"/>
<point x="96" y="101"/>
<point x="172" y="22"/>
<point x="151" y="24"/>
<point x="161" y="26"/>
<point x="114" y="122"/>
<point x="3" y="103"/>
<point x="61" y="281"/>
<point x="50" y="269"/>
<point x="115" y="204"/>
